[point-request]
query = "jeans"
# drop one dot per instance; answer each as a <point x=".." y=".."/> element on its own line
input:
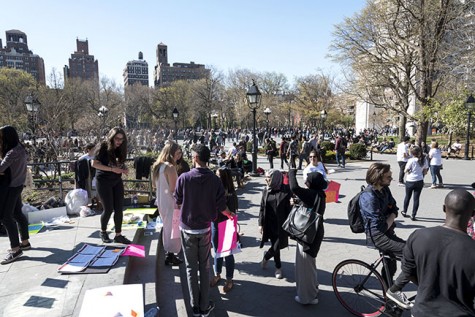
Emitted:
<point x="270" y="158"/>
<point x="282" y="160"/>
<point x="402" y="166"/>
<point x="435" y="173"/>
<point x="111" y="194"/>
<point x="293" y="157"/>
<point x="340" y="158"/>
<point x="196" y="250"/>
<point x="11" y="215"/>
<point x="218" y="262"/>
<point x="416" y="188"/>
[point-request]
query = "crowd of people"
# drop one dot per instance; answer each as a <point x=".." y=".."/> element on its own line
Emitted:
<point x="200" y="198"/>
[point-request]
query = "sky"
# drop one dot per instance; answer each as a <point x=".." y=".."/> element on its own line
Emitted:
<point x="291" y="37"/>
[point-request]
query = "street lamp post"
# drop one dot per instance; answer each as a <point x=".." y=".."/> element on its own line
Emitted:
<point x="175" y="114"/>
<point x="323" y="117"/>
<point x="469" y="105"/>
<point x="254" y="99"/>
<point x="32" y="107"/>
<point x="103" y="114"/>
<point x="267" y="112"/>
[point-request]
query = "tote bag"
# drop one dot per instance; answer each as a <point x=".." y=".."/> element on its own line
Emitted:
<point x="302" y="222"/>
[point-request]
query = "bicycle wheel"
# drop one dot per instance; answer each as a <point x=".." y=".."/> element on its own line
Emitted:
<point x="359" y="288"/>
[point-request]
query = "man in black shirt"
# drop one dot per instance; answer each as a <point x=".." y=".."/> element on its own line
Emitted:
<point x="441" y="259"/>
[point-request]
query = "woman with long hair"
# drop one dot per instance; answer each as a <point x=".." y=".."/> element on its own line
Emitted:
<point x="13" y="161"/>
<point x="164" y="176"/>
<point x="416" y="168"/>
<point x="109" y="162"/>
<point x="226" y="177"/>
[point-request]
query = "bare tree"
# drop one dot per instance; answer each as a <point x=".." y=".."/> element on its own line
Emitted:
<point x="396" y="50"/>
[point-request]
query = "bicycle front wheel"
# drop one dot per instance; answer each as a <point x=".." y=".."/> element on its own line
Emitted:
<point x="359" y="288"/>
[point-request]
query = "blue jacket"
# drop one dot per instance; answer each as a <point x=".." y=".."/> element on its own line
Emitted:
<point x="376" y="206"/>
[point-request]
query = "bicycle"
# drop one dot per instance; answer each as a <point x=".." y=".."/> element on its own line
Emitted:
<point x="361" y="289"/>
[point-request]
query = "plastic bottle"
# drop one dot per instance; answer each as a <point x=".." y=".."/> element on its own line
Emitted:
<point x="135" y="201"/>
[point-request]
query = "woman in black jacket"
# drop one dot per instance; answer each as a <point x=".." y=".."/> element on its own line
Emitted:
<point x="275" y="207"/>
<point x="305" y="265"/>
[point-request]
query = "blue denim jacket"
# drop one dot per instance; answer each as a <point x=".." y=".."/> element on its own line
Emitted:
<point x="375" y="208"/>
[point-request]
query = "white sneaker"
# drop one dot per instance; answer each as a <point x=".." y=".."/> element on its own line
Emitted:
<point x="278" y="274"/>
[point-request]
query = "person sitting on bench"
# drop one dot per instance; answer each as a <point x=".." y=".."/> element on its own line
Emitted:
<point x="454" y="148"/>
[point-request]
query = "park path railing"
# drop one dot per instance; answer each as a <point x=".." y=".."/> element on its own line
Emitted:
<point x="52" y="174"/>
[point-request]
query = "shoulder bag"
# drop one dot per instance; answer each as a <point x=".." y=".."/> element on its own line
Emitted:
<point x="302" y="222"/>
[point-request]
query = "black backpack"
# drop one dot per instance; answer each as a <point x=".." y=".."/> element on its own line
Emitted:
<point x="354" y="214"/>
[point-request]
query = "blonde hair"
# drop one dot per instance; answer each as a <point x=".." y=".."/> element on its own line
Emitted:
<point x="166" y="155"/>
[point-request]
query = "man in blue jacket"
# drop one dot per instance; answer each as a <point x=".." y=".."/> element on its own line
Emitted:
<point x="200" y="195"/>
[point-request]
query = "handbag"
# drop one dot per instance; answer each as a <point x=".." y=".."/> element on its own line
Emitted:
<point x="302" y="222"/>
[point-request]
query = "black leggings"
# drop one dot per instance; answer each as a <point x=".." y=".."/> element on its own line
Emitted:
<point x="274" y="252"/>
<point x="111" y="193"/>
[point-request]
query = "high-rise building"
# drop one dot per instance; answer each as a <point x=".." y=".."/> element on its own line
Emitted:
<point x="136" y="72"/>
<point x="17" y="55"/>
<point x="164" y="74"/>
<point x="81" y="64"/>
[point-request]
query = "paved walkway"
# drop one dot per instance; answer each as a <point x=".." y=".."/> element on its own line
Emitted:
<point x="31" y="286"/>
<point x="258" y="293"/>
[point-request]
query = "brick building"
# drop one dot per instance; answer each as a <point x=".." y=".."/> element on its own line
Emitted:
<point x="17" y="55"/>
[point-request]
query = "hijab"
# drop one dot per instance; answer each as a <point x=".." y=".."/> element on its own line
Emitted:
<point x="275" y="179"/>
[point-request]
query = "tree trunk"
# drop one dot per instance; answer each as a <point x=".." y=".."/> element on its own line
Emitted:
<point x="402" y="127"/>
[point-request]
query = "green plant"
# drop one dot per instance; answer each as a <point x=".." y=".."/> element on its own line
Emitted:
<point x="327" y="146"/>
<point x="357" y="151"/>
<point x="329" y="156"/>
<point x="249" y="146"/>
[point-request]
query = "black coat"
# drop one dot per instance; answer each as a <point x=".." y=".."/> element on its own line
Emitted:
<point x="270" y="225"/>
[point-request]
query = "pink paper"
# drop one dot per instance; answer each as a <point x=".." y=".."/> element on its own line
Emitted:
<point x="227" y="238"/>
<point x="135" y="250"/>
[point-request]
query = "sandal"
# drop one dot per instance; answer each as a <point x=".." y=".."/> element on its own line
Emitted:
<point x="228" y="286"/>
<point x="215" y="280"/>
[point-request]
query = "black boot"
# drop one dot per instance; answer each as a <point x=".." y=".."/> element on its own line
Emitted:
<point x="172" y="259"/>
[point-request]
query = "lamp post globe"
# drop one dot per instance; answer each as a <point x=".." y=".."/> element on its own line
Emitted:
<point x="323" y="117"/>
<point x="267" y="112"/>
<point x="469" y="105"/>
<point x="102" y="114"/>
<point x="254" y="97"/>
<point x="176" y="114"/>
